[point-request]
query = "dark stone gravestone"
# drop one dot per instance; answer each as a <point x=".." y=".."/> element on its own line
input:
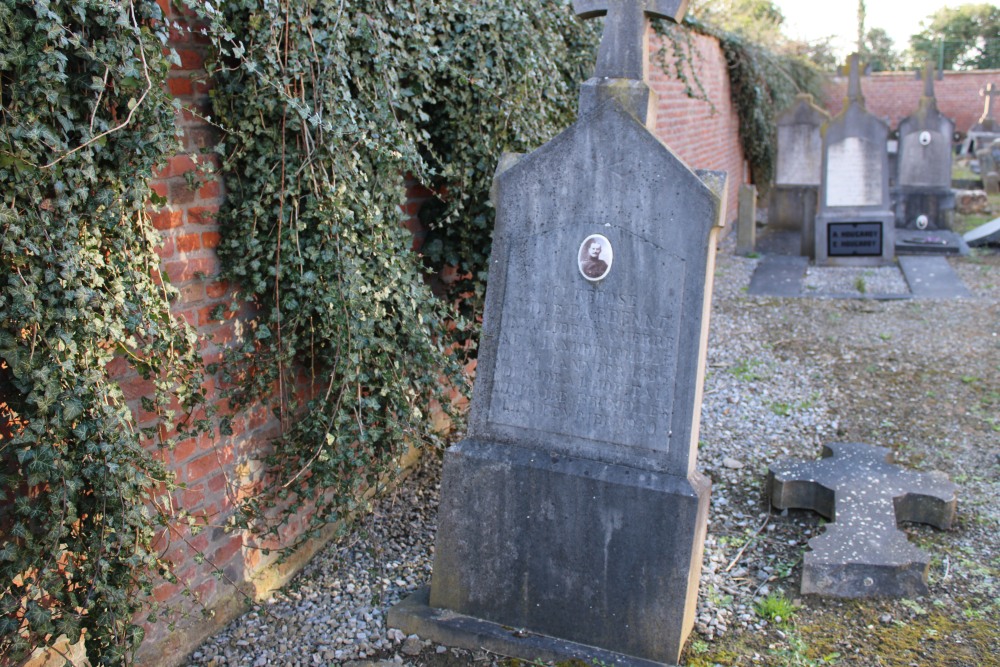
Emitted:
<point x="862" y="553"/>
<point x="985" y="130"/>
<point x="572" y="511"/>
<point x="925" y="199"/>
<point x="855" y="223"/>
<point x="989" y="167"/>
<point x="794" y="198"/>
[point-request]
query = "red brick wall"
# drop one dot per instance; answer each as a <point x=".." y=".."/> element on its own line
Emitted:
<point x="211" y="467"/>
<point x="704" y="138"/>
<point x="895" y="95"/>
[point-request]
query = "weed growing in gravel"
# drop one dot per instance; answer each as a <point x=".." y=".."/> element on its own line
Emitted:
<point x="781" y="409"/>
<point x="796" y="654"/>
<point x="861" y="284"/>
<point x="775" y="608"/>
<point x="748" y="370"/>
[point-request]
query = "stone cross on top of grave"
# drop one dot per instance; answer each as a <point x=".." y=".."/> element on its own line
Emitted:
<point x="862" y="553"/>
<point x="929" y="79"/>
<point x="854" y="80"/>
<point x="623" y="54"/>
<point x="989" y="92"/>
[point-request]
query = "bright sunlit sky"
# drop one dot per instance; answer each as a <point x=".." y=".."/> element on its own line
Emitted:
<point x="811" y="20"/>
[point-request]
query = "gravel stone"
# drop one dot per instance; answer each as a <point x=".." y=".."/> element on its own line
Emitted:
<point x="783" y="377"/>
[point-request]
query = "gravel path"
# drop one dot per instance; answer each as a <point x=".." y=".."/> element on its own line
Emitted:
<point x="784" y="377"/>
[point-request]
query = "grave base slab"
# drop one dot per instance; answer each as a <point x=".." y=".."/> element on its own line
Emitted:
<point x="414" y="615"/>
<point x="591" y="553"/>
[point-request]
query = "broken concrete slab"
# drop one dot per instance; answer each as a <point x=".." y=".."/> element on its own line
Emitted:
<point x="856" y="486"/>
<point x="985" y="234"/>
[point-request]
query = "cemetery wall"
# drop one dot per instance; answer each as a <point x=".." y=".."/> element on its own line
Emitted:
<point x="895" y="95"/>
<point x="705" y="134"/>
<point x="211" y="466"/>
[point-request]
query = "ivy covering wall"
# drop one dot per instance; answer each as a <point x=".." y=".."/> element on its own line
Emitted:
<point x="83" y="123"/>
<point x="324" y="106"/>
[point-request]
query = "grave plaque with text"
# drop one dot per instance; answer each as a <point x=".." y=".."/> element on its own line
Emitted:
<point x="854" y="239"/>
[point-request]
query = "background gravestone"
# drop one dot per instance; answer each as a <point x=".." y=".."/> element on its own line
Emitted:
<point x="572" y="509"/>
<point x="924" y="165"/>
<point x="854" y="226"/>
<point x="746" y="220"/>
<point x="989" y="167"/>
<point x="985" y="130"/>
<point x="793" y="199"/>
<point x="924" y="200"/>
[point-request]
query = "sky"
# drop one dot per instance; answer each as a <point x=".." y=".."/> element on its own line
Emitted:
<point x="811" y="20"/>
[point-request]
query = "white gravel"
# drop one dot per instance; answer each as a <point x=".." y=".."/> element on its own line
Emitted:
<point x="759" y="405"/>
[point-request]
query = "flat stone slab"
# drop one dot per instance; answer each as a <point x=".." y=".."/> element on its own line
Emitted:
<point x="985" y="234"/>
<point x="863" y="553"/>
<point x="779" y="275"/>
<point x="931" y="277"/>
<point x="930" y="242"/>
<point x="453" y="629"/>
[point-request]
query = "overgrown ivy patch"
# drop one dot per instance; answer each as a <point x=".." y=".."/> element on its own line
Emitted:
<point x="84" y="121"/>
<point x="324" y="106"/>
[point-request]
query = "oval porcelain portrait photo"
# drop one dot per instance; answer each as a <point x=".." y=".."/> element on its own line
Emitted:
<point x="595" y="257"/>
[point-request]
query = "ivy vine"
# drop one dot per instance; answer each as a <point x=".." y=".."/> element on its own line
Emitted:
<point x="762" y="84"/>
<point x="324" y="106"/>
<point x="83" y="123"/>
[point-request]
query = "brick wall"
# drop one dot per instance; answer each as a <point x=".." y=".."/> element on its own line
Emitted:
<point x="895" y="95"/>
<point x="705" y="138"/>
<point x="213" y="468"/>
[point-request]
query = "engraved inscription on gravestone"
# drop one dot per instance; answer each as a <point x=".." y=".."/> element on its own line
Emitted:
<point x="568" y="359"/>
<point x="800" y="155"/>
<point x="854" y="239"/>
<point x="854" y="173"/>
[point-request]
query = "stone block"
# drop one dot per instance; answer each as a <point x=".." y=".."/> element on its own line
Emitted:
<point x="863" y="553"/>
<point x="524" y="533"/>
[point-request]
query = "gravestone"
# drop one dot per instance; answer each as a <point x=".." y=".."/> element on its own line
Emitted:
<point x="989" y="167"/>
<point x="746" y="220"/>
<point x="572" y="511"/>
<point x="794" y="197"/>
<point x="862" y="553"/>
<point x="925" y="199"/>
<point x="985" y="130"/>
<point x="855" y="223"/>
